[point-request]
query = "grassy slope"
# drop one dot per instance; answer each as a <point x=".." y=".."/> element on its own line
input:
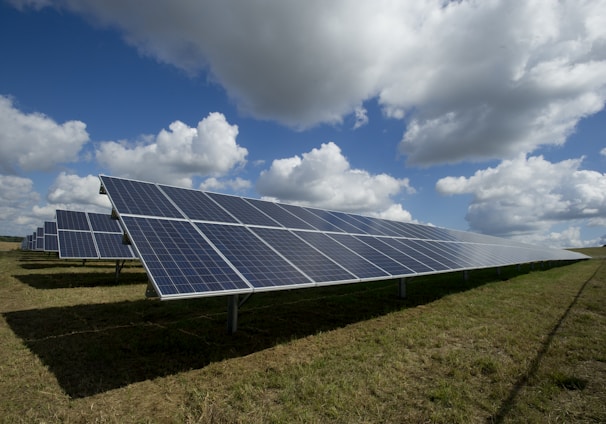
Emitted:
<point x="76" y="347"/>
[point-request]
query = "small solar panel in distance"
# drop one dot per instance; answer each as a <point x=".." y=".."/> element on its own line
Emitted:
<point x="179" y="261"/>
<point x="51" y="243"/>
<point x="40" y="238"/>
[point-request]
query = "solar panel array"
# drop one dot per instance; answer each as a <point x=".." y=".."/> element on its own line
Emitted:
<point x="194" y="243"/>
<point x="88" y="235"/>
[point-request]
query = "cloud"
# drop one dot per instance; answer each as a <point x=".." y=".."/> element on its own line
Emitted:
<point x="361" y="117"/>
<point x="472" y="80"/>
<point x="16" y="195"/>
<point x="236" y="185"/>
<point x="35" y="142"/>
<point x="324" y="178"/>
<point x="529" y="195"/>
<point x="178" y="154"/>
<point x="70" y="191"/>
<point x="20" y="208"/>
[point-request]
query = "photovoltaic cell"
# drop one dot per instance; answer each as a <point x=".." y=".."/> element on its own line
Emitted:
<point x="96" y="236"/>
<point x="104" y="223"/>
<point x="139" y="198"/>
<point x="408" y="258"/>
<point x="72" y="220"/>
<point x="347" y="258"/>
<point x="314" y="220"/>
<point x="243" y="211"/>
<point x="179" y="261"/>
<point x="280" y="215"/>
<point x="110" y="246"/>
<point x="77" y="245"/>
<point x="197" y="206"/>
<point x="261" y="266"/>
<point x="375" y="256"/>
<point x="313" y="263"/>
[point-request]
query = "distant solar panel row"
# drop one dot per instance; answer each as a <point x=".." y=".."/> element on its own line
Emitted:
<point x="87" y="235"/>
<point x="194" y="243"/>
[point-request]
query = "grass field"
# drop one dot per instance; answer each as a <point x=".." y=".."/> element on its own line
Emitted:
<point x="77" y="347"/>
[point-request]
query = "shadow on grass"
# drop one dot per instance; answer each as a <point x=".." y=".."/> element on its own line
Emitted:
<point x="95" y="348"/>
<point x="70" y="280"/>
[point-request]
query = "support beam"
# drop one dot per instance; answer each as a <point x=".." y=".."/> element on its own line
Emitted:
<point x="402" y="288"/>
<point x="232" y="314"/>
<point x="119" y="267"/>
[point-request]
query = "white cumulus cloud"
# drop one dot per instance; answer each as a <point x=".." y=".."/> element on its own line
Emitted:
<point x="471" y="79"/>
<point x="35" y="142"/>
<point x="528" y="195"/>
<point x="324" y="178"/>
<point x="178" y="154"/>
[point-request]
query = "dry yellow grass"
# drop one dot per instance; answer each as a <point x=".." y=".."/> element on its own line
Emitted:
<point x="77" y="347"/>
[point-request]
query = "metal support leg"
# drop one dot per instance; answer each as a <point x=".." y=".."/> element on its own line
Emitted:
<point x="402" y="288"/>
<point x="232" y="314"/>
<point x="119" y="267"/>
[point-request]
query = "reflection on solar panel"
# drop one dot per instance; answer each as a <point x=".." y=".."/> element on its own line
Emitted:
<point x="194" y="243"/>
<point x="87" y="235"/>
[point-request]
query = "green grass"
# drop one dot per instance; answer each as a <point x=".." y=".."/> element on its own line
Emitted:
<point x="524" y="347"/>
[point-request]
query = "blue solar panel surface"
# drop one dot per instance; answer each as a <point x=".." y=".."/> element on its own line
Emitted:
<point x="197" y="206"/>
<point x="77" y="245"/>
<point x="195" y="243"/>
<point x="180" y="260"/>
<point x="91" y="236"/>
<point x="258" y="262"/>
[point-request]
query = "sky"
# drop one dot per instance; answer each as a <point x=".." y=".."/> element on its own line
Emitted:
<point x="484" y="116"/>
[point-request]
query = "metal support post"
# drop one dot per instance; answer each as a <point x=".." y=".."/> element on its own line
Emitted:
<point x="232" y="314"/>
<point x="402" y="288"/>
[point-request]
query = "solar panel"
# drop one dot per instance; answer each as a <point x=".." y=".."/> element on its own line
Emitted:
<point x="195" y="243"/>
<point x="40" y="238"/>
<point x="348" y="259"/>
<point x="259" y="263"/>
<point x="88" y="235"/>
<point x="243" y="211"/>
<point x="180" y="261"/>
<point x="77" y="245"/>
<point x="311" y="261"/>
<point x="51" y="244"/>
<point x="197" y="206"/>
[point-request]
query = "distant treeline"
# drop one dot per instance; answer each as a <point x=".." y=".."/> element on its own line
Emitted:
<point x="11" y="238"/>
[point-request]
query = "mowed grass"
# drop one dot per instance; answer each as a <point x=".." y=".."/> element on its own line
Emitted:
<point x="77" y="346"/>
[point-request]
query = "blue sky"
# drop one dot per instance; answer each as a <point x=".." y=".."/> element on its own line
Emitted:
<point x="486" y="117"/>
